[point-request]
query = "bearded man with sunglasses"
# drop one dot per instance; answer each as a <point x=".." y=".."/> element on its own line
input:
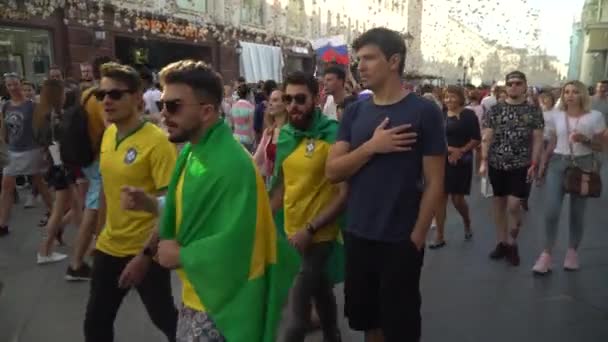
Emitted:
<point x="135" y="153"/>
<point x="511" y="145"/>
<point x="311" y="205"/>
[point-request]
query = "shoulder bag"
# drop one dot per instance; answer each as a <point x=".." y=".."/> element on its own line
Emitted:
<point x="578" y="181"/>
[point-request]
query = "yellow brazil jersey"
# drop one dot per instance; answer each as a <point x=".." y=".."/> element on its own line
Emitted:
<point x="189" y="296"/>
<point x="95" y="117"/>
<point x="307" y="190"/>
<point x="144" y="159"/>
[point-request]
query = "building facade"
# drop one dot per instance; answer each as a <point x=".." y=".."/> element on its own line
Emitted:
<point x="594" y="46"/>
<point x="576" y="51"/>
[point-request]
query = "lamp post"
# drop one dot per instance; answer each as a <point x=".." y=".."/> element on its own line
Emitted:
<point x="465" y="67"/>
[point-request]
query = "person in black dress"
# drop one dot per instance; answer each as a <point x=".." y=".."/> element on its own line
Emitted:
<point x="463" y="136"/>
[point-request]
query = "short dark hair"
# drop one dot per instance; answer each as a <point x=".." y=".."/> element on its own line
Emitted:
<point x="97" y="63"/>
<point x="241" y="79"/>
<point x="203" y="80"/>
<point x="302" y="78"/>
<point x="242" y="91"/>
<point x="603" y="82"/>
<point x="28" y="83"/>
<point x="336" y="70"/>
<point x="146" y="74"/>
<point x="269" y="86"/>
<point x="122" y="73"/>
<point x="388" y="41"/>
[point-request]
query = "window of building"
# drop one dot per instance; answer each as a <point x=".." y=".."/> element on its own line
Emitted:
<point x="194" y="6"/>
<point x="296" y="17"/>
<point x="27" y="52"/>
<point x="252" y="12"/>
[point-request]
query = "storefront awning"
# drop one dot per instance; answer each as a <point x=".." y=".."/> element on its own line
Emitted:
<point x="260" y="62"/>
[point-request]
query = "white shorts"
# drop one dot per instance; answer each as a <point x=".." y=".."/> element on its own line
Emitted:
<point x="26" y="163"/>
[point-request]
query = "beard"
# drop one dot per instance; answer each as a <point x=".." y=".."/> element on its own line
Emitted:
<point x="303" y="122"/>
<point x="183" y="135"/>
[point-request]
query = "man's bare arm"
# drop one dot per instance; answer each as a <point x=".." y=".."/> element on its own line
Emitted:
<point x="434" y="175"/>
<point x="537" y="145"/>
<point x="333" y="209"/>
<point x="276" y="197"/>
<point x="342" y="163"/>
<point x="486" y="140"/>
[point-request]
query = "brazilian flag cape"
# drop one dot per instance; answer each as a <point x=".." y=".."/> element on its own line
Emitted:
<point x="322" y="128"/>
<point x="227" y="236"/>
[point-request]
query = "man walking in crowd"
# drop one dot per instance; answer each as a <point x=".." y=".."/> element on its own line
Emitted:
<point x="311" y="204"/>
<point x="387" y="225"/>
<point x="151" y="95"/>
<point x="25" y="156"/>
<point x="87" y="76"/>
<point x="55" y="73"/>
<point x="137" y="153"/>
<point x="78" y="269"/>
<point x="333" y="80"/>
<point x="490" y="100"/>
<point x="599" y="101"/>
<point x="223" y="260"/>
<point x="511" y="146"/>
<point x="241" y="119"/>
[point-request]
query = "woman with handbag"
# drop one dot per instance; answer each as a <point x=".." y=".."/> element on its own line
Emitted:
<point x="463" y="136"/>
<point x="572" y="169"/>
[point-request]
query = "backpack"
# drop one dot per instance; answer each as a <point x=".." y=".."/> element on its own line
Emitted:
<point x="75" y="144"/>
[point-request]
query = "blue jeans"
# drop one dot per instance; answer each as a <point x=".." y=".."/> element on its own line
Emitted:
<point x="554" y="195"/>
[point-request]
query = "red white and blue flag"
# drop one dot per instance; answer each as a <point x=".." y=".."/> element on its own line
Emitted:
<point x="331" y="49"/>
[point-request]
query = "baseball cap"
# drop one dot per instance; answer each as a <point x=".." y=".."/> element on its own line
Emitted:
<point x="516" y="74"/>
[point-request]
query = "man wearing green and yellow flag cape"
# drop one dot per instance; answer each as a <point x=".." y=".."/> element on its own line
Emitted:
<point x="217" y="229"/>
<point x="311" y="206"/>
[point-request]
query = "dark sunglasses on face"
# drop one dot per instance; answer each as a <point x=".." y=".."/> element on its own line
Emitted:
<point x="114" y="94"/>
<point x="299" y="98"/>
<point x="173" y="106"/>
<point x="517" y="83"/>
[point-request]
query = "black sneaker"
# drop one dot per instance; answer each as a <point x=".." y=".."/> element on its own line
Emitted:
<point x="500" y="251"/>
<point x="4" y="231"/>
<point x="513" y="255"/>
<point x="83" y="273"/>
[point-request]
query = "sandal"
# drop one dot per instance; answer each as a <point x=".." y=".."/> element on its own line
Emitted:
<point x="437" y="245"/>
<point x="43" y="221"/>
<point x="468" y="236"/>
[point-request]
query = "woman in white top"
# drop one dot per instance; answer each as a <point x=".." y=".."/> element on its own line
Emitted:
<point x="573" y="132"/>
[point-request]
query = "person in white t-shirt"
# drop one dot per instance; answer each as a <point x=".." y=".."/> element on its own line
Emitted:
<point x="151" y="96"/>
<point x="574" y="132"/>
<point x="333" y="82"/>
<point x="491" y="100"/>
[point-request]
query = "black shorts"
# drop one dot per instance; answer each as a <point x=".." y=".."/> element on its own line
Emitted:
<point x="510" y="182"/>
<point x="382" y="287"/>
<point x="60" y="177"/>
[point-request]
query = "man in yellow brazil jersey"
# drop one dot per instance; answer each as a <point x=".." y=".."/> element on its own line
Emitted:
<point x="217" y="229"/>
<point x="311" y="205"/>
<point x="136" y="153"/>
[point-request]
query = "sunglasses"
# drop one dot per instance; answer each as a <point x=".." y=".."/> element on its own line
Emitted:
<point x="173" y="106"/>
<point x="114" y="94"/>
<point x="299" y="98"/>
<point x="517" y="83"/>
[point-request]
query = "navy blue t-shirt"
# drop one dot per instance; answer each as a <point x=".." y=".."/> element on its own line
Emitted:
<point x="385" y="194"/>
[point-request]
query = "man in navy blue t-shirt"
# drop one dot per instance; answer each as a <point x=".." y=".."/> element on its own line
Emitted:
<point x="391" y="150"/>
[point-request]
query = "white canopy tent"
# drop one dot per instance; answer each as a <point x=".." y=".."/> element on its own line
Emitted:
<point x="260" y="62"/>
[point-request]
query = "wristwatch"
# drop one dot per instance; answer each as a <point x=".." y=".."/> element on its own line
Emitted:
<point x="310" y="228"/>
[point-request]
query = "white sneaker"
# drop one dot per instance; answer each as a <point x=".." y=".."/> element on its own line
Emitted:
<point x="30" y="202"/>
<point x="51" y="258"/>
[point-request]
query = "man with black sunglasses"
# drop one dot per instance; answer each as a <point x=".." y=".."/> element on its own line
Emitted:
<point x="136" y="153"/>
<point x="510" y="151"/>
<point x="311" y="205"/>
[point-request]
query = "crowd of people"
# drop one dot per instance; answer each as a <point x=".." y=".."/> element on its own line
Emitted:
<point x="251" y="194"/>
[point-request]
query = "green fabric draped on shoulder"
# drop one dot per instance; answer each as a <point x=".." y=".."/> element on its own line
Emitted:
<point x="227" y="236"/>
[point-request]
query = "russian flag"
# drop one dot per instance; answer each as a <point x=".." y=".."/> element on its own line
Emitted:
<point x="331" y="49"/>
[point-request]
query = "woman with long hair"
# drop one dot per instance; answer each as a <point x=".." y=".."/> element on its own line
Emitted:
<point x="47" y="130"/>
<point x="573" y="137"/>
<point x="274" y="118"/>
<point x="463" y="136"/>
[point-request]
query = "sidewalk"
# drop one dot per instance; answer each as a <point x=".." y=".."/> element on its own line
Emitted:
<point x="466" y="296"/>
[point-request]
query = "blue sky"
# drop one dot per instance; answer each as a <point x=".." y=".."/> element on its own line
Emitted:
<point x="556" y="24"/>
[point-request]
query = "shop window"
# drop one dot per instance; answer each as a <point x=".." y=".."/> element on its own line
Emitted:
<point x="192" y="6"/>
<point x="26" y="52"/>
<point x="252" y="12"/>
